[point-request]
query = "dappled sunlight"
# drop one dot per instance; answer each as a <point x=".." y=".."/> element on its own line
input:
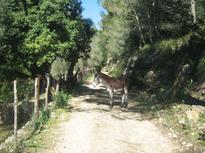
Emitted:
<point x="97" y="100"/>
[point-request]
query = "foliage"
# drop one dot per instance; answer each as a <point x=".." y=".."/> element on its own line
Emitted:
<point x="34" y="33"/>
<point x="42" y="120"/>
<point x="25" y="89"/>
<point x="42" y="139"/>
<point x="172" y="45"/>
<point x="98" y="52"/>
<point x="201" y="68"/>
<point x="6" y="93"/>
<point x="59" y="68"/>
<point x="117" y="71"/>
<point x="150" y="35"/>
<point x="184" y="121"/>
<point x="61" y="99"/>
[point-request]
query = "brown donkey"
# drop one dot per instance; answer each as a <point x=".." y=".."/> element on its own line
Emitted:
<point x="111" y="84"/>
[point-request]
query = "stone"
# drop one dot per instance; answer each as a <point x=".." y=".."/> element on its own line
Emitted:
<point x="192" y="115"/>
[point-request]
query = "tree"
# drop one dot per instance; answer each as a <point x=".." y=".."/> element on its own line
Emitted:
<point x="10" y="35"/>
<point x="34" y="33"/>
<point x="129" y="25"/>
<point x="193" y="10"/>
<point x="98" y="54"/>
<point x="59" y="71"/>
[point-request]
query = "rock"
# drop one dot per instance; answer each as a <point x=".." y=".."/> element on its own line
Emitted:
<point x="189" y="145"/>
<point x="192" y="115"/>
<point x="150" y="77"/>
<point x="170" y="134"/>
<point x="198" y="108"/>
<point x="203" y="92"/>
<point x="174" y="135"/>
<point x="160" y="120"/>
<point x="182" y="121"/>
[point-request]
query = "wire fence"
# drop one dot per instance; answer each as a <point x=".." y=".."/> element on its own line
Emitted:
<point x="22" y="99"/>
<point x="20" y="102"/>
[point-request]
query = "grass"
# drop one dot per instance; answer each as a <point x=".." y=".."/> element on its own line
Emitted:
<point x="43" y="138"/>
<point x="5" y="131"/>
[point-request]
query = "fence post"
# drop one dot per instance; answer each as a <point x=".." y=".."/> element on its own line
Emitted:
<point x="47" y="92"/>
<point x="15" y="114"/>
<point x="36" y="96"/>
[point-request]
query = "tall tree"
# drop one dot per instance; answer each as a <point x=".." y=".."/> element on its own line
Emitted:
<point x="34" y="33"/>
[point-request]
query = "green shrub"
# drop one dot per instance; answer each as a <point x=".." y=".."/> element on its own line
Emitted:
<point x="118" y="70"/>
<point x="61" y="99"/>
<point x="6" y="93"/>
<point x="201" y="68"/>
<point x="25" y="89"/>
<point x="170" y="46"/>
<point x="42" y="120"/>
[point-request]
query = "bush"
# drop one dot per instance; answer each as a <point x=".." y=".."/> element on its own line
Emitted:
<point x="171" y="46"/>
<point x="201" y="68"/>
<point x="25" y="89"/>
<point x="6" y="92"/>
<point x="42" y="120"/>
<point x="61" y="99"/>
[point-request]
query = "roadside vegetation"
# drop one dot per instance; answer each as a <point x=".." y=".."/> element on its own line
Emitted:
<point x="185" y="123"/>
<point x="43" y="138"/>
<point x="159" y="47"/>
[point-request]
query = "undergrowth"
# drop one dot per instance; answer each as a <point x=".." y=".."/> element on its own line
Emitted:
<point x="42" y="120"/>
<point x="43" y="138"/>
<point x="61" y="99"/>
<point x="187" y="122"/>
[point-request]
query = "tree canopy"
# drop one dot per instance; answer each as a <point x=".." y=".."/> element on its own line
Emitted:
<point x="33" y="33"/>
<point x="142" y="35"/>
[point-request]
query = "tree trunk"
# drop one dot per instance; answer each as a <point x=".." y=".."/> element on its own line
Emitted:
<point x="155" y="26"/>
<point x="15" y="114"/>
<point x="140" y="29"/>
<point x="47" y="92"/>
<point x="193" y="10"/>
<point x="36" y="104"/>
<point x="57" y="86"/>
<point x="150" y="26"/>
<point x="138" y="25"/>
<point x="70" y="79"/>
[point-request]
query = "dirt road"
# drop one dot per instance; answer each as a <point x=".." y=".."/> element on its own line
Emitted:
<point x="92" y="128"/>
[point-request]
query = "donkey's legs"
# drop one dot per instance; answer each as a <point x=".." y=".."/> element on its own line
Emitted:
<point x="111" y="97"/>
<point x="125" y="96"/>
<point x="123" y="100"/>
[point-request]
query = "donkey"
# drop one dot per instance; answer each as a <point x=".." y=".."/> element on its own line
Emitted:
<point x="111" y="84"/>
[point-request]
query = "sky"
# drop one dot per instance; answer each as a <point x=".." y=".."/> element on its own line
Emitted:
<point x="92" y="10"/>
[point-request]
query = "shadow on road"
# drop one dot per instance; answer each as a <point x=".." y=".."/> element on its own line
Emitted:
<point x="100" y="98"/>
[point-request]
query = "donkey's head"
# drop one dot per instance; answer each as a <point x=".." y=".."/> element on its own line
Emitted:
<point x="96" y="79"/>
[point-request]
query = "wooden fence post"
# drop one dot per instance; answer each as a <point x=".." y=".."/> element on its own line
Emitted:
<point x="47" y="92"/>
<point x="36" y="96"/>
<point x="15" y="114"/>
